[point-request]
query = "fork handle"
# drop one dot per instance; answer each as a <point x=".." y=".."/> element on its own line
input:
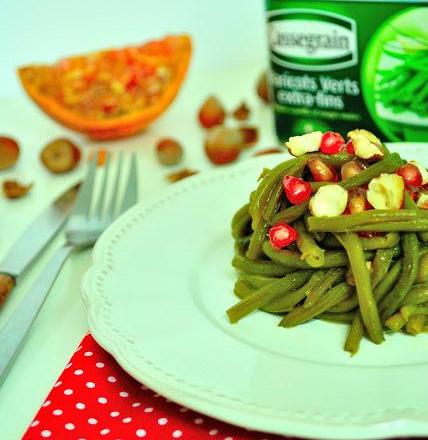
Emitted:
<point x="15" y="329"/>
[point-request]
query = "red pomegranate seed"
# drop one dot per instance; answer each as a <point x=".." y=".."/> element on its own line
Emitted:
<point x="282" y="235"/>
<point x="410" y="174"/>
<point x="349" y="169"/>
<point x="296" y="190"/>
<point x="331" y="142"/>
<point x="350" y="149"/>
<point x="211" y="113"/>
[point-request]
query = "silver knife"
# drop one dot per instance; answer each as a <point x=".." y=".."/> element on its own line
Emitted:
<point x="32" y="241"/>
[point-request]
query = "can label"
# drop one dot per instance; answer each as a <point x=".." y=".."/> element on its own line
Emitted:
<point x="338" y="65"/>
<point x="312" y="40"/>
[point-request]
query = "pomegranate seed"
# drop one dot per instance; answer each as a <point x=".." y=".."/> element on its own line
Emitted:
<point x="331" y="142"/>
<point x="223" y="145"/>
<point x="169" y="151"/>
<point x="410" y="174"/>
<point x="9" y="152"/>
<point x="296" y="190"/>
<point x="211" y="113"/>
<point x="349" y="169"/>
<point x="263" y="88"/>
<point x="321" y="171"/>
<point x="282" y="235"/>
<point x="13" y="189"/>
<point x="180" y="175"/>
<point x="350" y="149"/>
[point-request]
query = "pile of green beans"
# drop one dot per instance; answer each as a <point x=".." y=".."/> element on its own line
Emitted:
<point x="405" y="86"/>
<point x="374" y="284"/>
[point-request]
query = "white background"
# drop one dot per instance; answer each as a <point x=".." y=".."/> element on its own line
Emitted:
<point x="229" y="52"/>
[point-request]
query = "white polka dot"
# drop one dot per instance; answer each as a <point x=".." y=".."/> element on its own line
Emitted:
<point x="35" y="423"/>
<point x="102" y="400"/>
<point x="104" y="431"/>
<point x="46" y="403"/>
<point x="127" y="420"/>
<point x="80" y="405"/>
<point x="111" y="379"/>
<point x="156" y="395"/>
<point x="88" y="353"/>
<point x="45" y="433"/>
<point x="78" y="348"/>
<point x="213" y="432"/>
<point x="228" y="438"/>
<point x="143" y="387"/>
<point x="123" y="394"/>
<point x="177" y="434"/>
<point x="136" y="404"/>
<point x="99" y="365"/>
<point x="58" y="384"/>
<point x="90" y="385"/>
<point x="68" y="392"/>
<point x="114" y="413"/>
<point x="68" y="365"/>
<point x="198" y="421"/>
<point x="148" y="409"/>
<point x="92" y="421"/>
<point x="57" y="412"/>
<point x="163" y="421"/>
<point x="183" y="410"/>
<point x="69" y="426"/>
<point x="78" y="372"/>
<point x="140" y="433"/>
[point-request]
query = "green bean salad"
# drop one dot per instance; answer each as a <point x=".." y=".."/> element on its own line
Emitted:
<point x="337" y="233"/>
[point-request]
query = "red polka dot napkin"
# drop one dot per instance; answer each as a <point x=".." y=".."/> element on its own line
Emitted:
<point x="95" y="399"/>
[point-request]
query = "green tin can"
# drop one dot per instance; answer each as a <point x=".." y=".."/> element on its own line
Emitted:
<point x="338" y="65"/>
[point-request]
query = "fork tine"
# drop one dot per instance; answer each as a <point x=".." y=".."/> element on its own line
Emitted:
<point x="101" y="201"/>
<point x="130" y="195"/>
<point x="83" y="201"/>
<point x="113" y="204"/>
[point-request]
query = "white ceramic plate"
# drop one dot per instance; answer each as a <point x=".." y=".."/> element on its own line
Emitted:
<point x="157" y="294"/>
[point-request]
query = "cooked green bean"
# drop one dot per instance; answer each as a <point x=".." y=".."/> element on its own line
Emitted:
<point x="311" y="252"/>
<point x="240" y="222"/>
<point x="395" y="322"/>
<point x="256" y="281"/>
<point x="256" y="242"/>
<point x="292" y="259"/>
<point x="366" y="301"/>
<point x="415" y="225"/>
<point x="348" y="222"/>
<point x="241" y="289"/>
<point x="386" y="241"/>
<point x="380" y="265"/>
<point x="423" y="236"/>
<point x="415" y="324"/>
<point x="342" y="318"/>
<point x="273" y="199"/>
<point x="300" y="314"/>
<point x="331" y="277"/>
<point x="422" y="276"/>
<point x="291" y="214"/>
<point x="391" y="302"/>
<point x="266" y="294"/>
<point x="355" y="334"/>
<point x="267" y="268"/>
<point x="418" y="294"/>
<point x="288" y="301"/>
<point x="412" y="309"/>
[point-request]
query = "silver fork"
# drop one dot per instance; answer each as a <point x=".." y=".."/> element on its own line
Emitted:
<point x="91" y="215"/>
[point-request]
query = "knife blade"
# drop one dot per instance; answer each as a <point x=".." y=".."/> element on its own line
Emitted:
<point x="32" y="241"/>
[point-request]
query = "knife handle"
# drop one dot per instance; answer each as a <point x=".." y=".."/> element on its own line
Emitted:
<point x="7" y="283"/>
<point x="15" y="329"/>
